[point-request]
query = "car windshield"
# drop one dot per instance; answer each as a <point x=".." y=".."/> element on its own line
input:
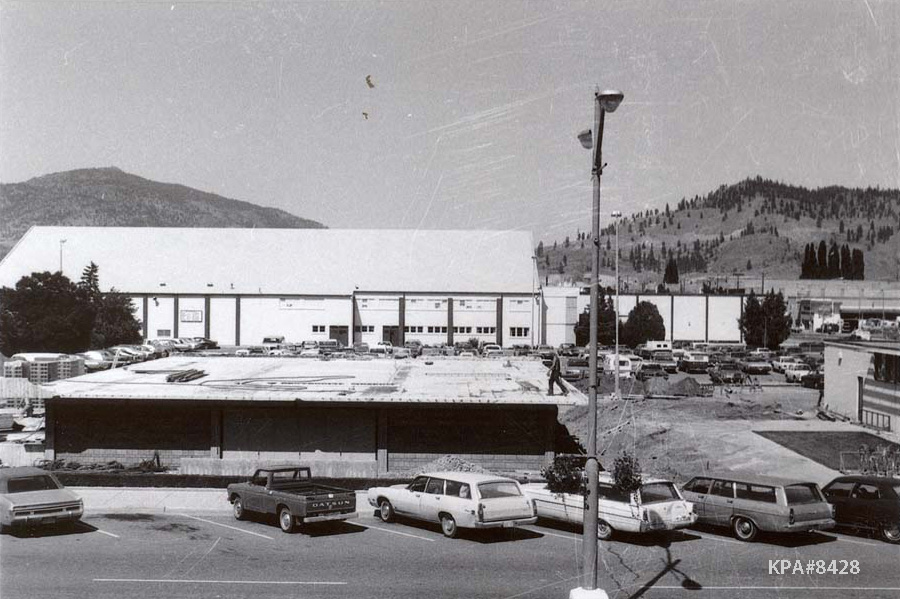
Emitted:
<point x="657" y="492"/>
<point x="803" y="493"/>
<point x="499" y="489"/>
<point x="24" y="484"/>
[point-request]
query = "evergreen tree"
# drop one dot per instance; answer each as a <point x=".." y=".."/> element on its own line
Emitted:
<point x="540" y="249"/>
<point x="606" y="323"/>
<point x="671" y="275"/>
<point x="644" y="324"/>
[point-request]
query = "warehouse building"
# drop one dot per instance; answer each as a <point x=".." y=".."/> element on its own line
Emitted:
<point x="238" y="286"/>
<point x="862" y="382"/>
<point x="356" y="418"/>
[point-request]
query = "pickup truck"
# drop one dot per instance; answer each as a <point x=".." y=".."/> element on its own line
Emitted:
<point x="289" y="493"/>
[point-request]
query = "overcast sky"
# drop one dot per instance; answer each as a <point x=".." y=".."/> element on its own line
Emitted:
<point x="472" y="116"/>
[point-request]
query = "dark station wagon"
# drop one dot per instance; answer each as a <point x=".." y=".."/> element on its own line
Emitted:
<point x="868" y="503"/>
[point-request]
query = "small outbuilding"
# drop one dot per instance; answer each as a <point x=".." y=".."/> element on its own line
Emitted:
<point x="347" y="417"/>
<point x="862" y="382"/>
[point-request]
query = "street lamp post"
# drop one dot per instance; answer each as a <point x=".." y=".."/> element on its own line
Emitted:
<point x="61" y="242"/>
<point x="606" y="101"/>
<point x="617" y="215"/>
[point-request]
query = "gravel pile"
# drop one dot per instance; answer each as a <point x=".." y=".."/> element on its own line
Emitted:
<point x="449" y="463"/>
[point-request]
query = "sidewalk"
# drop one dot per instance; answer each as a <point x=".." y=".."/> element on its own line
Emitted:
<point x="146" y="500"/>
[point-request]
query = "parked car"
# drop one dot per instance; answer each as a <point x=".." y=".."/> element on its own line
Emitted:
<point x="656" y="506"/>
<point x="568" y="349"/>
<point x="253" y="350"/>
<point x="794" y="372"/>
<point x="401" y="353"/>
<point x="360" y="348"/>
<point x="491" y="350"/>
<point x="31" y="496"/>
<point x="651" y="370"/>
<point x="694" y="362"/>
<point x="414" y="347"/>
<point x="187" y="344"/>
<point x="284" y="352"/>
<point x="756" y="365"/>
<point x="726" y="373"/>
<point x="813" y="380"/>
<point x="867" y="503"/>
<point x="456" y="500"/>
<point x="95" y="360"/>
<point x="749" y="504"/>
<point x="779" y="363"/>
<point x="289" y="493"/>
<point x="123" y="353"/>
<point x="273" y="342"/>
<point x="204" y="343"/>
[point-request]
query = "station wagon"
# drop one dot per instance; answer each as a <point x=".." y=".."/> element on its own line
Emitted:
<point x="748" y="504"/>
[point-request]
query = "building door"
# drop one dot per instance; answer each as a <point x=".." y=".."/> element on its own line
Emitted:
<point x="859" y="398"/>
<point x="339" y="334"/>
<point x="391" y="333"/>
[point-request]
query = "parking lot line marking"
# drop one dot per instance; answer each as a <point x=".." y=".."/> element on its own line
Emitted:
<point x="183" y="581"/>
<point x="856" y="541"/>
<point x="109" y="534"/>
<point x="553" y="534"/>
<point x="394" y="532"/>
<point x="714" y="538"/>
<point x="773" y="588"/>
<point x="249" y="532"/>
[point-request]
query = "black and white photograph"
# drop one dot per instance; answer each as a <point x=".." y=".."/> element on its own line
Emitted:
<point x="500" y="299"/>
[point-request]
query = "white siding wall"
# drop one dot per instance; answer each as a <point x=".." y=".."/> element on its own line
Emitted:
<point x="291" y="317"/>
<point x="843" y="367"/>
<point x="160" y="317"/>
<point x="187" y="309"/>
<point x="221" y="320"/>
<point x="690" y="318"/>
<point x="724" y="312"/>
<point x="517" y="314"/>
<point x="377" y="311"/>
<point x="475" y="312"/>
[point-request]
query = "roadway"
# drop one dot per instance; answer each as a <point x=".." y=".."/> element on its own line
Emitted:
<point x="199" y="556"/>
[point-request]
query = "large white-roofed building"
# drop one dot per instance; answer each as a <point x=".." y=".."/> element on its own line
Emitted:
<point x="238" y="286"/>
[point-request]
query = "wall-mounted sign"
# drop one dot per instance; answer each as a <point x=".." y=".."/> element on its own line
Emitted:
<point x="192" y="316"/>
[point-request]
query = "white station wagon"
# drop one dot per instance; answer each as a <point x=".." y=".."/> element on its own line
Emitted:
<point x="656" y="506"/>
<point x="456" y="500"/>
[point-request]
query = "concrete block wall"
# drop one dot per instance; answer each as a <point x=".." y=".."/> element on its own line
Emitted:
<point x="403" y="463"/>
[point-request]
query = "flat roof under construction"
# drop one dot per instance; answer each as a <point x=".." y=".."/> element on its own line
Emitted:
<point x="509" y="381"/>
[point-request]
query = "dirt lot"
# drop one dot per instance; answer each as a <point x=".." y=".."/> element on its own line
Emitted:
<point x="682" y="437"/>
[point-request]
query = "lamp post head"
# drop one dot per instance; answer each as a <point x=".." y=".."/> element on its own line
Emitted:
<point x="587" y="139"/>
<point x="610" y="99"/>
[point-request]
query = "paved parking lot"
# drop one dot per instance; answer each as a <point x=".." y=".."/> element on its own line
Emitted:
<point x="202" y="555"/>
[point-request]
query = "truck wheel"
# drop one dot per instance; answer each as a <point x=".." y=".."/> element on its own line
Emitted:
<point x="286" y="519"/>
<point x="385" y="511"/>
<point x="891" y="534"/>
<point x="448" y="526"/>
<point x="238" y="508"/>
<point x="604" y="530"/>
<point x="744" y="529"/>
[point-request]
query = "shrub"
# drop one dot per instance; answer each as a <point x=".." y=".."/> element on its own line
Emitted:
<point x="627" y="474"/>
<point x="566" y="474"/>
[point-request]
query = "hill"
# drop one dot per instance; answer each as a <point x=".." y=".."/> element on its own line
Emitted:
<point x="111" y="197"/>
<point x="745" y="229"/>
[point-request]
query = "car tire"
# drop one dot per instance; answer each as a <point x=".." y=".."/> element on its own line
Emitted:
<point x="604" y="530"/>
<point x="448" y="526"/>
<point x="385" y="511"/>
<point x="286" y="520"/>
<point x="237" y="508"/>
<point x="744" y="529"/>
<point x="891" y="534"/>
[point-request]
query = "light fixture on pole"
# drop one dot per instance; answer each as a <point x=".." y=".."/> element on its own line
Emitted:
<point x="617" y="215"/>
<point x="606" y="101"/>
<point x="61" y="242"/>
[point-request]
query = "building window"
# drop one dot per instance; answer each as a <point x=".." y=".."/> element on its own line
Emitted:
<point x="163" y="332"/>
<point x="519" y="331"/>
<point x="318" y="328"/>
<point x="191" y="315"/>
<point x="486" y="330"/>
<point x="462" y="330"/>
<point x="437" y="305"/>
<point x="364" y="328"/>
<point x="887" y="368"/>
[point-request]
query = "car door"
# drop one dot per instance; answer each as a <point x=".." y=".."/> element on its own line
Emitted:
<point x="838" y="494"/>
<point x="720" y="503"/>
<point x="696" y="491"/>
<point x="407" y="500"/>
<point x="256" y="489"/>
<point x="431" y="501"/>
<point x="870" y="508"/>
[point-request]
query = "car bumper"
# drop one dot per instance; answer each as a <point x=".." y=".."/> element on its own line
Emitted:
<point x="329" y="518"/>
<point x="668" y="525"/>
<point x="506" y="523"/>
<point x="825" y="524"/>
<point x="48" y="518"/>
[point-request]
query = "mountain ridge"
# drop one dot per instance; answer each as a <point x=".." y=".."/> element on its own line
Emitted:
<point x="109" y="196"/>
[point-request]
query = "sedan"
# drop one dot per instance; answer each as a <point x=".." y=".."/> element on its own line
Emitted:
<point x="813" y="380"/>
<point x="97" y="360"/>
<point x="31" y="496"/>
<point x="456" y="500"/>
<point x="868" y="503"/>
<point x="754" y="365"/>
